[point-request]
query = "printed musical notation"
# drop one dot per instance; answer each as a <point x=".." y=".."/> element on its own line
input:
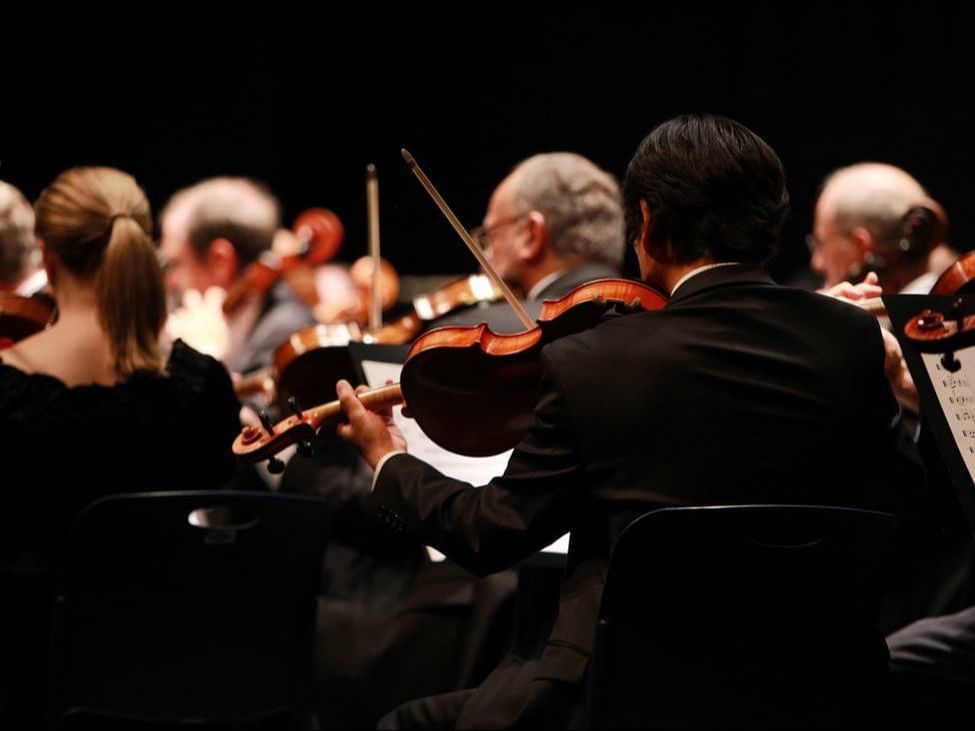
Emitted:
<point x="954" y="392"/>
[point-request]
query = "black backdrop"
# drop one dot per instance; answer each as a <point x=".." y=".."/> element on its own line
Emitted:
<point x="303" y="99"/>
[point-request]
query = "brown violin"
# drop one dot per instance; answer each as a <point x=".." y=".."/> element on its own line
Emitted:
<point x="453" y="373"/>
<point x="959" y="278"/>
<point x="309" y="362"/>
<point x="315" y="238"/>
<point x="21" y="317"/>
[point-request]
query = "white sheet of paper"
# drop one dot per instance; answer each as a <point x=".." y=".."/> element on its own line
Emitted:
<point x="957" y="397"/>
<point x="475" y="470"/>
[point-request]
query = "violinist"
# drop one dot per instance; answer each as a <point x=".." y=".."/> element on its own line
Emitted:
<point x="859" y="226"/>
<point x="211" y="231"/>
<point x="732" y="393"/>
<point x="19" y="255"/>
<point x="552" y="224"/>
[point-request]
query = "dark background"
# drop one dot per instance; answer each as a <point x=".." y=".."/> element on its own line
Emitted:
<point x="303" y="99"/>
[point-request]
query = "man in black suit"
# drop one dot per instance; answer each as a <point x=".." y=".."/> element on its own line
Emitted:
<point x="738" y="391"/>
<point x="553" y="223"/>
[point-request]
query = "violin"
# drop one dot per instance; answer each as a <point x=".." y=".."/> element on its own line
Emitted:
<point x="959" y="278"/>
<point x="315" y="238"/>
<point x="21" y="317"/>
<point x="311" y="360"/>
<point x="451" y="373"/>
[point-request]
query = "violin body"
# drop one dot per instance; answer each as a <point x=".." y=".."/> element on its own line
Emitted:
<point x="959" y="278"/>
<point x="21" y="317"/>
<point x="455" y="374"/>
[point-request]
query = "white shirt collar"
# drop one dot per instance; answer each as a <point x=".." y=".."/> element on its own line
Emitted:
<point x="543" y="283"/>
<point x="699" y="270"/>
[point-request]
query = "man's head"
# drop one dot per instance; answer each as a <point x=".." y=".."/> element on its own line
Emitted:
<point x="860" y="223"/>
<point x="553" y="212"/>
<point x="702" y="189"/>
<point x="212" y="230"/>
<point x="19" y="255"/>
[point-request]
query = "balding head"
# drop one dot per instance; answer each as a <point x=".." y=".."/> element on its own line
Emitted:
<point x="859" y="221"/>
<point x="870" y="194"/>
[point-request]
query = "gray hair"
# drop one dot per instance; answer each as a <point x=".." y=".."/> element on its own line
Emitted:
<point x="18" y="252"/>
<point x="580" y="202"/>
<point x="875" y="196"/>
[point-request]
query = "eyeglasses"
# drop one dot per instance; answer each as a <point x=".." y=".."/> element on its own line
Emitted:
<point x="482" y="234"/>
<point x="812" y="243"/>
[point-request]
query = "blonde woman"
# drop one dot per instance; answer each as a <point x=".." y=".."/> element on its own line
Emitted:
<point x="88" y="407"/>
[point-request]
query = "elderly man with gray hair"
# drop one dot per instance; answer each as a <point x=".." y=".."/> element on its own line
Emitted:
<point x="553" y="223"/>
<point x="876" y="217"/>
<point x="19" y="255"/>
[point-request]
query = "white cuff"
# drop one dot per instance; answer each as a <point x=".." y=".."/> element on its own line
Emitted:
<point x="381" y="462"/>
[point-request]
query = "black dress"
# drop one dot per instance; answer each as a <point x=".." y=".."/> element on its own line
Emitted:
<point x="61" y="448"/>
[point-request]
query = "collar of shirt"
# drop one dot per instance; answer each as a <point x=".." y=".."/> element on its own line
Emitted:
<point x="542" y="283"/>
<point x="699" y="270"/>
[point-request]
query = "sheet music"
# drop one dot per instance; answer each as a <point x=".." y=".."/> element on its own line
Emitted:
<point x="957" y="397"/>
<point x="475" y="470"/>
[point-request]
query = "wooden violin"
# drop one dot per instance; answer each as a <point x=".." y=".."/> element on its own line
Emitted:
<point x="454" y="373"/>
<point x="309" y="362"/>
<point x="315" y="238"/>
<point x="21" y="317"/>
<point x="959" y="278"/>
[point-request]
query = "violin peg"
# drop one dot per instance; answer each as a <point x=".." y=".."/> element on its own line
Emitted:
<point x="295" y="407"/>
<point x="305" y="448"/>
<point x="950" y="362"/>
<point x="275" y="466"/>
<point x="266" y="422"/>
<point x="957" y="312"/>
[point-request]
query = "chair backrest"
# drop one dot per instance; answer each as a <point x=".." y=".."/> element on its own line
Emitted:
<point x="760" y="615"/>
<point x="188" y="607"/>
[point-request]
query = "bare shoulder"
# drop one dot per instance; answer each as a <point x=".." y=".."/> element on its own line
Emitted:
<point x="11" y="356"/>
<point x="73" y="357"/>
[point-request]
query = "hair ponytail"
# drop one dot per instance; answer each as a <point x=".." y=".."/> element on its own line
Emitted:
<point x="97" y="221"/>
<point x="130" y="297"/>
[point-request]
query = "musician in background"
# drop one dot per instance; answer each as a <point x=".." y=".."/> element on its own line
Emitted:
<point x="552" y="224"/>
<point x="211" y="231"/>
<point x="859" y="226"/>
<point x="19" y="256"/>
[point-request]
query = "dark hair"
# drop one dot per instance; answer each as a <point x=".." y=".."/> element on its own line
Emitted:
<point x="716" y="190"/>
<point x="249" y="241"/>
<point x="240" y="210"/>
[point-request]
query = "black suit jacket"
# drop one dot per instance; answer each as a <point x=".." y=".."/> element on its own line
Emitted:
<point x="501" y="318"/>
<point x="738" y="391"/>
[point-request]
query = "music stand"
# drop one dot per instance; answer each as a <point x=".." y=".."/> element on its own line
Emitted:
<point x="945" y="379"/>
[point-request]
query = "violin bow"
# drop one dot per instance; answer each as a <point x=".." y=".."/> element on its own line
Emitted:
<point x="467" y="239"/>
<point x="372" y="201"/>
